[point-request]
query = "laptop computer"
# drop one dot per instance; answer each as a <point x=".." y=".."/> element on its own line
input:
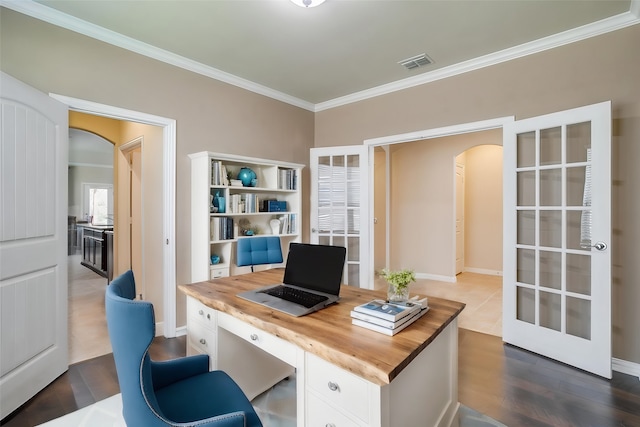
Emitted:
<point x="312" y="279"/>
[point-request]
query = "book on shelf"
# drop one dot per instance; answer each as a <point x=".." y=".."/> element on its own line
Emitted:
<point x="221" y="228"/>
<point x="287" y="179"/>
<point x="391" y="312"/>
<point x="218" y="173"/>
<point x="396" y="327"/>
<point x="288" y="224"/>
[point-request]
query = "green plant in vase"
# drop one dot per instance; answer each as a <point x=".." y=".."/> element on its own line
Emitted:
<point x="398" y="281"/>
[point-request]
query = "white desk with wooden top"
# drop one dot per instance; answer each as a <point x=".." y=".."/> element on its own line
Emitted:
<point x="346" y="375"/>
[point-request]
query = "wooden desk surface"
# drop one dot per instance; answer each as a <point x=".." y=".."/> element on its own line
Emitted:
<point x="328" y="333"/>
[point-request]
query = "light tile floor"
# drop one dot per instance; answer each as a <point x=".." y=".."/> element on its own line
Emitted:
<point x="481" y="293"/>
<point x="87" y="328"/>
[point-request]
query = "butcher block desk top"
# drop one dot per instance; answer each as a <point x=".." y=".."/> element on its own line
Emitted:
<point x="328" y="333"/>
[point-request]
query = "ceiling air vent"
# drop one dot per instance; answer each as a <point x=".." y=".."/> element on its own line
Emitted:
<point x="416" y="61"/>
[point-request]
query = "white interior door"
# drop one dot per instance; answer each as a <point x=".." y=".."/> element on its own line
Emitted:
<point x="340" y="210"/>
<point x="33" y="239"/>
<point x="557" y="232"/>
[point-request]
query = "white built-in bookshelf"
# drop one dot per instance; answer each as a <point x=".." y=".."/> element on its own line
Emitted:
<point x="247" y="209"/>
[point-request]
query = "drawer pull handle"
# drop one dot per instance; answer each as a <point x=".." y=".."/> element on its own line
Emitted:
<point x="329" y="425"/>
<point x="254" y="337"/>
<point x="333" y="386"/>
<point x="208" y="316"/>
<point x="201" y="313"/>
<point x="203" y="341"/>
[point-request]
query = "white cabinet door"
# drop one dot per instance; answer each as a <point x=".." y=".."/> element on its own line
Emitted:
<point x="33" y="239"/>
<point x="340" y="207"/>
<point x="557" y="233"/>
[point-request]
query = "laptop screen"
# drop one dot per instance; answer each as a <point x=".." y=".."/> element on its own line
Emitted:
<point x="315" y="267"/>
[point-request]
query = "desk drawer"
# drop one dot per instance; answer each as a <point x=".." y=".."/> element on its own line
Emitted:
<point x="200" y="313"/>
<point x="273" y="345"/>
<point x="321" y="414"/>
<point x="202" y="338"/>
<point x="338" y="387"/>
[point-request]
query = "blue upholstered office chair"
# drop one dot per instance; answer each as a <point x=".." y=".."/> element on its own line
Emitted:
<point x="258" y="251"/>
<point x="180" y="392"/>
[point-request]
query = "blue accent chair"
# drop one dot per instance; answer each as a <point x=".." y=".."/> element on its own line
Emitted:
<point x="258" y="251"/>
<point x="179" y="392"/>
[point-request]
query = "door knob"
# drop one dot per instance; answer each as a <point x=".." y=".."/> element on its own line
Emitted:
<point x="601" y="246"/>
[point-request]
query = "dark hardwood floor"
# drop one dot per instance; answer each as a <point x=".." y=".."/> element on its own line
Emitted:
<point x="508" y="384"/>
<point x="83" y="384"/>
<point x="519" y="388"/>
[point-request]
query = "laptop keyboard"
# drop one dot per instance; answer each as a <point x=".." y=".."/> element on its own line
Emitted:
<point x="306" y="299"/>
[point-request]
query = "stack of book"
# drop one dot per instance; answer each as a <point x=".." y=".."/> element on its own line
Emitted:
<point x="388" y="318"/>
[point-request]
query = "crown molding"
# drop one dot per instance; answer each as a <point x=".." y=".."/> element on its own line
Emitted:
<point x="60" y="19"/>
<point x="603" y="26"/>
<point x="52" y="16"/>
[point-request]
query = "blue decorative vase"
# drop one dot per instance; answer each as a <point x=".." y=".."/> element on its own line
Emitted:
<point x="219" y="202"/>
<point x="248" y="177"/>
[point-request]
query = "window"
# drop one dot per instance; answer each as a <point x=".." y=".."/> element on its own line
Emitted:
<point x="98" y="203"/>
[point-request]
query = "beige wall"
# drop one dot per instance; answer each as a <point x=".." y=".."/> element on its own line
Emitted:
<point x="587" y="72"/>
<point x="210" y="115"/>
<point x="483" y="208"/>
<point x="422" y="217"/>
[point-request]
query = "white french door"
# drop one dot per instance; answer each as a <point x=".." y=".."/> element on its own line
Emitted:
<point x="340" y="210"/>
<point x="33" y="239"/>
<point x="557" y="232"/>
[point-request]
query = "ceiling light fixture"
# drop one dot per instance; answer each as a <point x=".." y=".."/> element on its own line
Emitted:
<point x="307" y="3"/>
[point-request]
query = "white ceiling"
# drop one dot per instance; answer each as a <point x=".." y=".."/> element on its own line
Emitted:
<point x="340" y="51"/>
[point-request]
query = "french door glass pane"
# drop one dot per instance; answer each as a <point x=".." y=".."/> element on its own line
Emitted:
<point x="526" y="304"/>
<point x="353" y="220"/>
<point x="526" y="227"/>
<point x="579" y="274"/>
<point x="578" y="317"/>
<point x="551" y="229"/>
<point x="550" y="146"/>
<point x="525" y="266"/>
<point x="578" y="142"/>
<point x="574" y="229"/>
<point x="353" y="250"/>
<point x="526" y="149"/>
<point x="353" y="273"/>
<point x="551" y="187"/>
<point x="576" y="186"/>
<point x="551" y="269"/>
<point x="550" y="310"/>
<point x="526" y="188"/>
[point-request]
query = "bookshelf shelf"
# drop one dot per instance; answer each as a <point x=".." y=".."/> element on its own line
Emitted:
<point x="211" y="175"/>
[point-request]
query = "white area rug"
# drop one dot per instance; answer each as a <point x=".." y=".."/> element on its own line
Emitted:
<point x="105" y="413"/>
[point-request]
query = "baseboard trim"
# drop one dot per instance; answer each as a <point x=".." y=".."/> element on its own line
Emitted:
<point x="181" y="331"/>
<point x="626" y="367"/>
<point x="450" y="279"/>
<point x="482" y="271"/>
